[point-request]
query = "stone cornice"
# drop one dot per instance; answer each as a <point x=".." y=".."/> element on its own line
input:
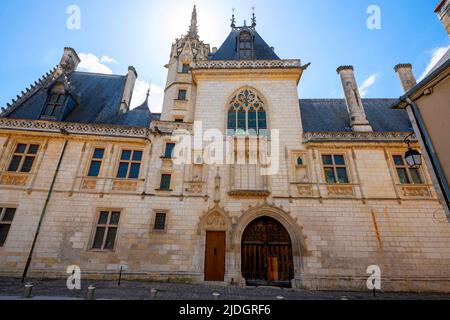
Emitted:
<point x="355" y="136"/>
<point x="74" y="128"/>
<point x="247" y="64"/>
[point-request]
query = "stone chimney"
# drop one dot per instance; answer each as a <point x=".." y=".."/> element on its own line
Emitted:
<point x="128" y="90"/>
<point x="406" y="76"/>
<point x="69" y="62"/>
<point x="358" y="119"/>
<point x="443" y="12"/>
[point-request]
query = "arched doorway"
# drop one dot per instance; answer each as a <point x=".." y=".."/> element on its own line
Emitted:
<point x="267" y="253"/>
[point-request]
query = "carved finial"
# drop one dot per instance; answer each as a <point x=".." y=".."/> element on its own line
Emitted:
<point x="193" y="29"/>
<point x="253" y="18"/>
<point x="233" y="19"/>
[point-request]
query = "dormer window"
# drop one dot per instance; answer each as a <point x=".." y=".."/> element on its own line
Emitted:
<point x="58" y="104"/>
<point x="245" y="46"/>
<point x="54" y="105"/>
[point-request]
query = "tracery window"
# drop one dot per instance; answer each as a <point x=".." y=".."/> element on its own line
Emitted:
<point x="247" y="114"/>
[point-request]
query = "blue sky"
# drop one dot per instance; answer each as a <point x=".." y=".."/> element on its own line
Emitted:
<point x="327" y="33"/>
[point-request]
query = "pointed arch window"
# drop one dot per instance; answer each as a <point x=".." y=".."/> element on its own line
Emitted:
<point x="247" y="114"/>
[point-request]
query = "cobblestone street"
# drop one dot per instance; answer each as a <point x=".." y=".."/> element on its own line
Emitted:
<point x="11" y="289"/>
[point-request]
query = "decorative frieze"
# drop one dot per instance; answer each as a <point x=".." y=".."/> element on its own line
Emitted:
<point x="247" y="64"/>
<point x="74" y="128"/>
<point x="249" y="193"/>
<point x="355" y="136"/>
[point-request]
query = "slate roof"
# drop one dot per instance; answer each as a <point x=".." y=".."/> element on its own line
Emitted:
<point x="228" y="50"/>
<point x="99" y="97"/>
<point x="331" y="115"/>
<point x="138" y="117"/>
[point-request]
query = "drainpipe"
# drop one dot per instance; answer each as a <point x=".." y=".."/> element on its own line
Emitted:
<point x="431" y="151"/>
<point x="44" y="210"/>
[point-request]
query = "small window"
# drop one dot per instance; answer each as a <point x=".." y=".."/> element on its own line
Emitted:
<point x="299" y="161"/>
<point x="179" y="120"/>
<point x="6" y="219"/>
<point x="96" y="162"/>
<point x="55" y="105"/>
<point x="160" y="222"/>
<point x="130" y="164"/>
<point x="335" y="169"/>
<point x="165" y="182"/>
<point x="23" y="158"/>
<point x="406" y="175"/>
<point x="168" y="154"/>
<point x="245" y="46"/>
<point x="106" y="230"/>
<point x="185" y="68"/>
<point x="182" y="95"/>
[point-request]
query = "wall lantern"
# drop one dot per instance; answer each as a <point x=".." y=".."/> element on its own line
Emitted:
<point x="412" y="157"/>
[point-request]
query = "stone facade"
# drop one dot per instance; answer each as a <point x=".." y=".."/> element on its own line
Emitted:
<point x="336" y="230"/>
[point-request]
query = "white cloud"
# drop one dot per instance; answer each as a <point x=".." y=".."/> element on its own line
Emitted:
<point x="107" y="59"/>
<point x="91" y="63"/>
<point x="140" y="93"/>
<point x="367" y="84"/>
<point x="436" y="55"/>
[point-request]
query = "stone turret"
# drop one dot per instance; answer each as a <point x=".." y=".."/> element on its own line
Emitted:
<point x="406" y="76"/>
<point x="180" y="92"/>
<point x="358" y="119"/>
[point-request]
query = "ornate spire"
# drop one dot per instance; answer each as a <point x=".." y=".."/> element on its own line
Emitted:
<point x="145" y="105"/>
<point x="253" y="18"/>
<point x="193" y="29"/>
<point x="233" y="19"/>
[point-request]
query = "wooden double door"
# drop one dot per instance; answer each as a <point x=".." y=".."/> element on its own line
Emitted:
<point x="215" y="256"/>
<point x="267" y="254"/>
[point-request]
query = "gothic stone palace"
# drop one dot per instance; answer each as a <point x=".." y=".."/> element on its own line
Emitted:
<point x="86" y="181"/>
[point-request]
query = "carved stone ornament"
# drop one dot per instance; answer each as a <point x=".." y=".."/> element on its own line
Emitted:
<point x="340" y="190"/>
<point x="304" y="190"/>
<point x="89" y="184"/>
<point x="416" y="191"/>
<point x="215" y="221"/>
<point x="195" y="187"/>
<point x="125" y="185"/>
<point x="11" y="179"/>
